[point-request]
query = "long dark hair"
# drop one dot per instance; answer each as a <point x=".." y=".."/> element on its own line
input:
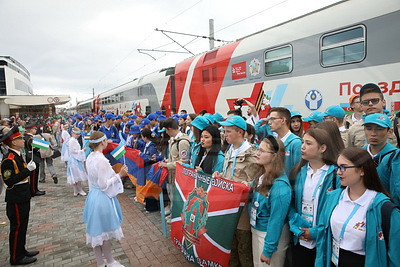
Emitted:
<point x="361" y="158"/>
<point x="334" y="133"/>
<point x="162" y="140"/>
<point x="329" y="156"/>
<point x="211" y="158"/>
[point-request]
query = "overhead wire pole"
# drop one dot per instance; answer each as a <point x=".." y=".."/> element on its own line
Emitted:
<point x="163" y="32"/>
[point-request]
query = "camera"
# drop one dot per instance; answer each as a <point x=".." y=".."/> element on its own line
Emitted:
<point x="239" y="102"/>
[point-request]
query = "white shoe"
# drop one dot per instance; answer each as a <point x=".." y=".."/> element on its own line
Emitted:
<point x="102" y="265"/>
<point x="168" y="219"/>
<point x="115" y="264"/>
<point x="82" y="193"/>
<point x="167" y="211"/>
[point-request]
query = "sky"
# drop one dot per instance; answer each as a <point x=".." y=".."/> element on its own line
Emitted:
<point x="74" y="46"/>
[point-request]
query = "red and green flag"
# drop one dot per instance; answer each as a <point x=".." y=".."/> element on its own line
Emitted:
<point x="205" y="213"/>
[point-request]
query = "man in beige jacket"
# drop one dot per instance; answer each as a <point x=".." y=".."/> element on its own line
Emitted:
<point x="240" y="166"/>
<point x="46" y="154"/>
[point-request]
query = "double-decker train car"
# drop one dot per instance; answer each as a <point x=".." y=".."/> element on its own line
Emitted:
<point x="141" y="96"/>
<point x="305" y="64"/>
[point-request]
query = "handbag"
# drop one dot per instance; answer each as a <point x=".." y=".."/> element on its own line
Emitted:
<point x="56" y="153"/>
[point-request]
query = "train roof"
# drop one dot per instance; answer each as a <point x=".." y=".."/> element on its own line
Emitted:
<point x="327" y="19"/>
<point x="139" y="81"/>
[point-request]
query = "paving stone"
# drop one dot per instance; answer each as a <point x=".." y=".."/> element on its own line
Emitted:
<point x="55" y="229"/>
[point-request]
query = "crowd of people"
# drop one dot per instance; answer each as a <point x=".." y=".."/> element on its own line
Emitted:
<point x="324" y="188"/>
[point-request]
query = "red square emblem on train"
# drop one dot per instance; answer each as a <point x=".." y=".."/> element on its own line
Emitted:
<point x="239" y="70"/>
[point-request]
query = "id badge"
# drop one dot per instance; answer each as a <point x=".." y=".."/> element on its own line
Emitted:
<point x="253" y="216"/>
<point x="335" y="252"/>
<point x="307" y="211"/>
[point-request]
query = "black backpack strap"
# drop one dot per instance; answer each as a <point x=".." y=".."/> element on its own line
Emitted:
<point x="389" y="163"/>
<point x="386" y="212"/>
<point x="334" y="179"/>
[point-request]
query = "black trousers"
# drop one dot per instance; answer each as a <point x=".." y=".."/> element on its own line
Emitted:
<point x="303" y="257"/>
<point x="18" y="214"/>
<point x="34" y="179"/>
<point x="350" y="259"/>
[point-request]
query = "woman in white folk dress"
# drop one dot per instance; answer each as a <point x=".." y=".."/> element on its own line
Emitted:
<point x="65" y="136"/>
<point x="102" y="212"/>
<point x="76" y="172"/>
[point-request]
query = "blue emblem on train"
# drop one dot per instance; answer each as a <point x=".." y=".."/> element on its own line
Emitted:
<point x="313" y="100"/>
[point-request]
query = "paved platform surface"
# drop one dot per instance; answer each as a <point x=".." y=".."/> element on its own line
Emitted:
<point x="55" y="229"/>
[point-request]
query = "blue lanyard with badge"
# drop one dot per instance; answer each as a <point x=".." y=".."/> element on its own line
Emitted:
<point x="307" y="207"/>
<point x="234" y="159"/>
<point x="336" y="243"/>
<point x="256" y="204"/>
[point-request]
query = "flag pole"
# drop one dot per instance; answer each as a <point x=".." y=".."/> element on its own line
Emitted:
<point x="124" y="160"/>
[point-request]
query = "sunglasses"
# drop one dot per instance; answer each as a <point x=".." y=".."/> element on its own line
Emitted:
<point x="374" y="101"/>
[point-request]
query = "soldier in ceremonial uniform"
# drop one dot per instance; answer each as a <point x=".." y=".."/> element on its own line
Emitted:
<point x="15" y="173"/>
<point x="29" y="134"/>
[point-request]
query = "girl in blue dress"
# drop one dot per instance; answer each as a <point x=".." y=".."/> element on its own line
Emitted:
<point x="102" y="212"/>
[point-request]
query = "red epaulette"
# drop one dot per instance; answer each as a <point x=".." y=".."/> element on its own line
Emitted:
<point x="11" y="156"/>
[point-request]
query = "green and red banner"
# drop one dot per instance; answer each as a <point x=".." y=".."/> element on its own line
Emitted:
<point x="205" y="213"/>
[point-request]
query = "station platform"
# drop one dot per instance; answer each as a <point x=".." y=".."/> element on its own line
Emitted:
<point x="55" y="229"/>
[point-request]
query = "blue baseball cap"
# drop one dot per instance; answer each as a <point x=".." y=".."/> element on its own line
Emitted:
<point x="378" y="119"/>
<point x="161" y="117"/>
<point x="234" y="120"/>
<point x="133" y="117"/>
<point x="151" y="116"/>
<point x="183" y="116"/>
<point x="315" y="116"/>
<point x="103" y="121"/>
<point x="158" y="113"/>
<point x="110" y="116"/>
<point x="103" y="110"/>
<point x="134" y="129"/>
<point x="144" y="122"/>
<point x="200" y="122"/>
<point x="335" y="111"/>
<point x="209" y="117"/>
<point x="78" y="116"/>
<point x="218" y="117"/>
<point x="118" y="117"/>
<point x="295" y="113"/>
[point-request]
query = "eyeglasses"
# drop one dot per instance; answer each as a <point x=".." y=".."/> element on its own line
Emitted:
<point x="374" y="101"/>
<point x="272" y="119"/>
<point x="260" y="150"/>
<point x="343" y="168"/>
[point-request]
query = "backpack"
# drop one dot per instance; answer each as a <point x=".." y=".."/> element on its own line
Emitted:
<point x="386" y="212"/>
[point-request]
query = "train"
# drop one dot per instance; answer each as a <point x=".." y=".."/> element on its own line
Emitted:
<point x="305" y="64"/>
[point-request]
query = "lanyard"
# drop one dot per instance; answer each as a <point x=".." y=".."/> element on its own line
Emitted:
<point x="320" y="181"/>
<point x="203" y="158"/>
<point x="355" y="209"/>
<point x="234" y="159"/>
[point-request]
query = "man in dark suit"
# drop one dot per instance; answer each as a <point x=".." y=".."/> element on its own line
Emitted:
<point x="35" y="156"/>
<point x="15" y="173"/>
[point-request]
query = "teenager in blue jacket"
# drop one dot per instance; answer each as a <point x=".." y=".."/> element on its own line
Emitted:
<point x="350" y="229"/>
<point x="314" y="177"/>
<point x="209" y="158"/>
<point x="150" y="153"/>
<point x="269" y="205"/>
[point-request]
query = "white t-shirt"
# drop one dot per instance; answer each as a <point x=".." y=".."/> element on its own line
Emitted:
<point x="354" y="235"/>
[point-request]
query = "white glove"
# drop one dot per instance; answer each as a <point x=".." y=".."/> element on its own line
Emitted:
<point x="31" y="165"/>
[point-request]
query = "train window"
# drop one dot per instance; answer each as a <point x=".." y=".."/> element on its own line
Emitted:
<point x="206" y="76"/>
<point x="278" y="60"/>
<point x="343" y="47"/>
<point x="214" y="74"/>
